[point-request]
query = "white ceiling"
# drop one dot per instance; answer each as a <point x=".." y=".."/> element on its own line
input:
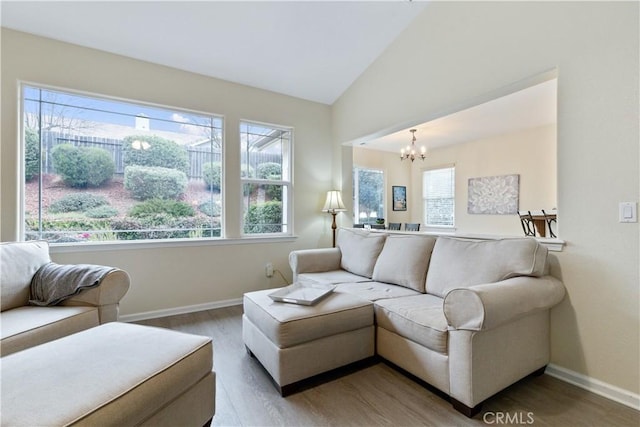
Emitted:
<point x="308" y="49"/>
<point x="528" y="108"/>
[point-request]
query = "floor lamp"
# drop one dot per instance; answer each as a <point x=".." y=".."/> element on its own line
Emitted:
<point x="333" y="205"/>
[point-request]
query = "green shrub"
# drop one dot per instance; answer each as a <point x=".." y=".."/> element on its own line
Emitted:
<point x="102" y="212"/>
<point x="274" y="192"/>
<point x="77" y="202"/>
<point x="264" y="218"/>
<point x="152" y="207"/>
<point x="154" y="182"/>
<point x="212" y="173"/>
<point x="269" y="170"/>
<point x="31" y="154"/>
<point x="209" y="208"/>
<point x="67" y="162"/>
<point x="272" y="171"/>
<point x="154" y="151"/>
<point x="83" y="166"/>
<point x="101" y="165"/>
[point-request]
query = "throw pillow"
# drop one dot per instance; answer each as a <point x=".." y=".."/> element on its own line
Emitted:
<point x="360" y="250"/>
<point x="404" y="261"/>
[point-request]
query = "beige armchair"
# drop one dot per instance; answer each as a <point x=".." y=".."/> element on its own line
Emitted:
<point x="24" y="325"/>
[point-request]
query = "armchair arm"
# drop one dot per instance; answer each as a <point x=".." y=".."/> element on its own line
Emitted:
<point x="314" y="260"/>
<point x="487" y="306"/>
<point x="106" y="296"/>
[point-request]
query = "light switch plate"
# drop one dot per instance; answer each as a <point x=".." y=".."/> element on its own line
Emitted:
<point x="628" y="212"/>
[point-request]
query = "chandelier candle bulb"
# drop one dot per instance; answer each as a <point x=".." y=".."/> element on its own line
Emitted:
<point x="410" y="151"/>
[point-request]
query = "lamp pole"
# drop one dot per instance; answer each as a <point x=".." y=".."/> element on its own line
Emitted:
<point x="333" y="226"/>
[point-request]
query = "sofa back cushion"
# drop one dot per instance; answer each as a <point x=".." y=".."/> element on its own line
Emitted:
<point x="360" y="250"/>
<point x="404" y="261"/>
<point x="19" y="261"/>
<point x="457" y="263"/>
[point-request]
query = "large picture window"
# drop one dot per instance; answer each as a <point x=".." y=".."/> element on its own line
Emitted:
<point x="438" y="195"/>
<point x="266" y="178"/>
<point x="98" y="169"/>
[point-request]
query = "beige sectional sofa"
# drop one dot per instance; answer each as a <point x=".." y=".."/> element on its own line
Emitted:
<point x="468" y="317"/>
<point x="24" y="325"/>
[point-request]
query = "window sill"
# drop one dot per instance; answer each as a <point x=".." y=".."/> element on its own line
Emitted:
<point x="160" y="244"/>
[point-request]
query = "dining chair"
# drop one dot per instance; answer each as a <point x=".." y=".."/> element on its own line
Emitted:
<point x="550" y="219"/>
<point x="377" y="226"/>
<point x="394" y="225"/>
<point x="526" y="220"/>
<point x="411" y="226"/>
<point x="358" y="225"/>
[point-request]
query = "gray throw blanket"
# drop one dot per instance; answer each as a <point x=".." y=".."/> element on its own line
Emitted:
<point x="53" y="283"/>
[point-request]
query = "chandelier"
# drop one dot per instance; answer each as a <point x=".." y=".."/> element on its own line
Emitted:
<point x="410" y="151"/>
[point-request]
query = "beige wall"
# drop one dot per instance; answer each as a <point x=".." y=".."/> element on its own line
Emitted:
<point x="455" y="52"/>
<point x="167" y="277"/>
<point x="530" y="153"/>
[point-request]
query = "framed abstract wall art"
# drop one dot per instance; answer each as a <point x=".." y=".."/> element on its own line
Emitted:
<point x="494" y="195"/>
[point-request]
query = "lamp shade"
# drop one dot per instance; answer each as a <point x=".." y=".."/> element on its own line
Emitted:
<point x="334" y="202"/>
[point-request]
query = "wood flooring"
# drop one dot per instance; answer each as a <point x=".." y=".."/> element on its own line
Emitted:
<point x="376" y="395"/>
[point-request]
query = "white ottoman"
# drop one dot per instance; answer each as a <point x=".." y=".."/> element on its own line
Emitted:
<point x="116" y="374"/>
<point x="294" y="342"/>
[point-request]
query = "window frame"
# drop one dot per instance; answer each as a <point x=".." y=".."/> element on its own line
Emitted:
<point x="106" y="244"/>
<point x="425" y="199"/>
<point x="356" y="192"/>
<point x="287" y="184"/>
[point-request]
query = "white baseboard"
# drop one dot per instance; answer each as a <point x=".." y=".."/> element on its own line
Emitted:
<point x="179" y="310"/>
<point x="593" y="385"/>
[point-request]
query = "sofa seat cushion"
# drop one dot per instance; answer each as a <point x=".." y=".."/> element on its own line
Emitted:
<point x="404" y="261"/>
<point x="419" y="318"/>
<point x="287" y="325"/>
<point x="458" y="263"/>
<point x="360" y="250"/>
<point x="374" y="291"/>
<point x="114" y="374"/>
<point x="19" y="261"/>
<point x="28" y="326"/>
<point x="333" y="277"/>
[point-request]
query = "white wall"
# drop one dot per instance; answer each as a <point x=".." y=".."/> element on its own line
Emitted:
<point x="167" y="277"/>
<point x="458" y="51"/>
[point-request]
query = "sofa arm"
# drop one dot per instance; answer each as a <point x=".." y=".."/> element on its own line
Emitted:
<point x="106" y="296"/>
<point x="487" y="306"/>
<point x="314" y="260"/>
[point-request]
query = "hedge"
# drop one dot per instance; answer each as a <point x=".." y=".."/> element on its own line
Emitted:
<point x="146" y="150"/>
<point x="264" y="218"/>
<point x="154" y="182"/>
<point x="83" y="166"/>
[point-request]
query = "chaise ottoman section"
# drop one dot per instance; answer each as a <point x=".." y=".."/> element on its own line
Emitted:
<point x="114" y="374"/>
<point x="295" y="342"/>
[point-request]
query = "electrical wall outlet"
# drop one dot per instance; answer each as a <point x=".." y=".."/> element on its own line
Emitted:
<point x="268" y="269"/>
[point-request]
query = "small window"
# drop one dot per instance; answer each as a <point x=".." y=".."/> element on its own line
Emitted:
<point x="99" y="169"/>
<point x="266" y="178"/>
<point x="368" y="195"/>
<point x="438" y="194"/>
